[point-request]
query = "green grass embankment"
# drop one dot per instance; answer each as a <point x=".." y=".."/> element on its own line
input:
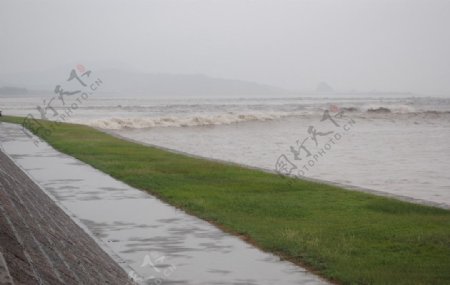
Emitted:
<point x="345" y="236"/>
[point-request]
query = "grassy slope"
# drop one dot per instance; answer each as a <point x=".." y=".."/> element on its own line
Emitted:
<point x="348" y="237"/>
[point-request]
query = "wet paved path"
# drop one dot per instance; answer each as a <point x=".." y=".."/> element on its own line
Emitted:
<point x="157" y="241"/>
<point x="39" y="242"/>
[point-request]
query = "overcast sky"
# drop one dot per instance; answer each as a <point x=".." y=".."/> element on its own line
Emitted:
<point x="365" y="45"/>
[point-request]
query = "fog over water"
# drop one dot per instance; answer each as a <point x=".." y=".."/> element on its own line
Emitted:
<point x="355" y="92"/>
<point x="246" y="81"/>
<point x="352" y="45"/>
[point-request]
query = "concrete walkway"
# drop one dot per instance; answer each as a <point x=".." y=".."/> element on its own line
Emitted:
<point x="40" y="244"/>
<point x="162" y="245"/>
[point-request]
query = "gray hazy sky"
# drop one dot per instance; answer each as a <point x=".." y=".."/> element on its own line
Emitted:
<point x="384" y="45"/>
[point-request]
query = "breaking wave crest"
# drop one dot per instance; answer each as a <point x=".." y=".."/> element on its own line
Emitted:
<point x="175" y="121"/>
<point x="191" y="119"/>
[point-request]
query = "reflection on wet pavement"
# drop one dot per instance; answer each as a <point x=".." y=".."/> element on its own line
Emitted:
<point x="159" y="242"/>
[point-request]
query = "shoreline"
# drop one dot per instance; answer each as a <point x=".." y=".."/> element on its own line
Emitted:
<point x="344" y="235"/>
<point x="316" y="180"/>
<point x="74" y="193"/>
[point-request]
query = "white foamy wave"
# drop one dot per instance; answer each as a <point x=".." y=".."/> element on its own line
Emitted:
<point x="176" y="121"/>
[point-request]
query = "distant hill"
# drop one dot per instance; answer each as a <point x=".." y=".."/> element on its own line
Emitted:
<point x="181" y="84"/>
<point x="127" y="82"/>
<point x="8" y="90"/>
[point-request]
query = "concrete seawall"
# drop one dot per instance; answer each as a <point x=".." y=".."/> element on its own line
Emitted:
<point x="40" y="243"/>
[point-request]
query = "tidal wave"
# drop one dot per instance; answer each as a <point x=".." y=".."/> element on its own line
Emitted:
<point x="177" y="121"/>
<point x="226" y="118"/>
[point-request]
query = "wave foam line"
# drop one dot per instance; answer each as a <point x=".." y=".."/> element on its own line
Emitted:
<point x="174" y="121"/>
